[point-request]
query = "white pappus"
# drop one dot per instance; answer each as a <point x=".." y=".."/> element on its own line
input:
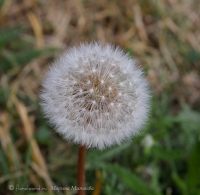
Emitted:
<point x="95" y="95"/>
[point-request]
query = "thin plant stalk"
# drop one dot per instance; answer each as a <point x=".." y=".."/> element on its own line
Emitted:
<point x="81" y="169"/>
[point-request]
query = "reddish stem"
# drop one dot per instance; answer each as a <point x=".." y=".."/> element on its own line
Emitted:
<point x="81" y="169"/>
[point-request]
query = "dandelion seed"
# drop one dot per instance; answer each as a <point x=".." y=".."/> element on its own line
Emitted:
<point x="112" y="104"/>
<point x="102" y="81"/>
<point x="94" y="102"/>
<point x="91" y="90"/>
<point x="103" y="97"/>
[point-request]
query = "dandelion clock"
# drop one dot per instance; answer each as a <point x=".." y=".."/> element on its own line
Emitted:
<point x="95" y="96"/>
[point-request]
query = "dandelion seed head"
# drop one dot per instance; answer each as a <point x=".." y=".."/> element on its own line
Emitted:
<point x="95" y="95"/>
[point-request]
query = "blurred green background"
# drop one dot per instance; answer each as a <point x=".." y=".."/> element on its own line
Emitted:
<point x="163" y="35"/>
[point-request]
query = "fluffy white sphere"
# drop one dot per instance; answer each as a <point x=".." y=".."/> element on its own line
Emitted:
<point x="95" y="95"/>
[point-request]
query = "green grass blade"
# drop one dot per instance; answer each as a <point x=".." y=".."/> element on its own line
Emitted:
<point x="97" y="157"/>
<point x="193" y="175"/>
<point x="132" y="181"/>
<point x="9" y="34"/>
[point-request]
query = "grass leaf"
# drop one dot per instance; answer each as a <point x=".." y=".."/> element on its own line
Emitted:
<point x="166" y="154"/>
<point x="193" y="176"/>
<point x="97" y="157"/>
<point x="131" y="180"/>
<point x="9" y="34"/>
